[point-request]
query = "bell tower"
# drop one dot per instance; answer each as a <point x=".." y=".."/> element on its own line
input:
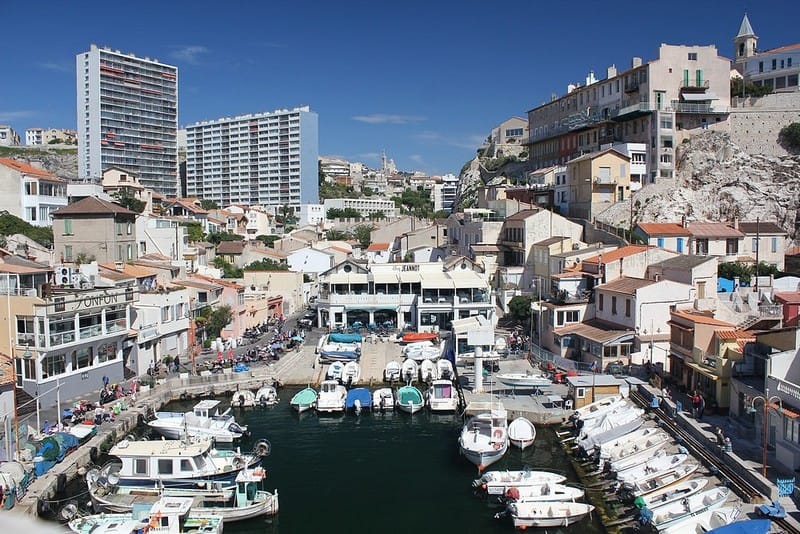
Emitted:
<point x="744" y="43"/>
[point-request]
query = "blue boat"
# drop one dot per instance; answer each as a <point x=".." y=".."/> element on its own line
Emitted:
<point x="358" y="399"/>
<point x="748" y="526"/>
<point x="344" y="338"/>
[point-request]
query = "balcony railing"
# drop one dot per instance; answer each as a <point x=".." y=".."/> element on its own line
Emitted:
<point x="605" y="180"/>
<point x="690" y="107"/>
<point x="694" y="84"/>
<point x="633" y="108"/>
<point x="770" y="310"/>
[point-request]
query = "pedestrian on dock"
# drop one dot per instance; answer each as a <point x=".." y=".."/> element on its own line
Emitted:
<point x="701" y="407"/>
<point x="177" y="363"/>
<point x="695" y="404"/>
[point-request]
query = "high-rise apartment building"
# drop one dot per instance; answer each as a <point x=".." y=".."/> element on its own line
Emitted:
<point x="268" y="159"/>
<point x="127" y="117"/>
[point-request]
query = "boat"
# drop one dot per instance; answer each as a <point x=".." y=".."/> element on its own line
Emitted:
<point x="610" y="420"/>
<point x="331" y="397"/>
<point x="383" y="399"/>
<point x="542" y="493"/>
<point x="416" y="348"/>
<point x="409" y="399"/>
<point x="445" y="369"/>
<point x="595" y="406"/>
<point x="603" y="411"/>
<point x="168" y="515"/>
<point x="547" y="514"/>
<point x="16" y="478"/>
<point x="654" y="465"/>
<point x="484" y="438"/>
<point x="334" y="371"/>
<point x="304" y="399"/>
<point x="392" y="372"/>
<point x="632" y="444"/>
<point x="523" y="380"/>
<point x="521" y="433"/>
<point x="424" y="353"/>
<point x="409" y="371"/>
<point x="413" y="337"/>
<point x="351" y="373"/>
<point x="442" y="396"/>
<point x="745" y="526"/>
<point x="428" y="372"/>
<point x="358" y="399"/>
<point x="498" y="482"/>
<point x="244" y="398"/>
<point x="267" y="396"/>
<point x="688" y="508"/>
<point x="83" y="430"/>
<point x="339" y="337"/>
<point x="242" y="500"/>
<point x="331" y="351"/>
<point x="637" y="459"/>
<point x="675" y="492"/>
<point x="656" y="481"/>
<point x="597" y="439"/>
<point x="199" y="423"/>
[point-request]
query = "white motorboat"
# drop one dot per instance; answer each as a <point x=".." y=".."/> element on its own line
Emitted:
<point x="409" y="371"/>
<point x="171" y="462"/>
<point x="334" y="371"/>
<point x="608" y="421"/>
<point x="304" y="399"/>
<point x="686" y="510"/>
<point x="670" y="494"/>
<point x="523" y="380"/>
<point x="521" y="433"/>
<point x="267" y="396"/>
<point x="199" y="423"/>
<point x="169" y="515"/>
<point x="547" y="514"/>
<point x="543" y="493"/>
<point x="409" y="399"/>
<point x="654" y="465"/>
<point x="428" y="372"/>
<point x="244" y="398"/>
<point x="442" y="396"/>
<point x="597" y="436"/>
<point x="392" y="372"/>
<point x="637" y="459"/>
<point x="243" y="499"/>
<point x="595" y="406"/>
<point x="416" y="347"/>
<point x="484" y="438"/>
<point x="709" y="521"/>
<point x="662" y="479"/>
<point x="351" y="373"/>
<point x="383" y="399"/>
<point x="445" y="369"/>
<point x="498" y="482"/>
<point x="639" y="443"/>
<point x="331" y="397"/>
<point x="591" y="418"/>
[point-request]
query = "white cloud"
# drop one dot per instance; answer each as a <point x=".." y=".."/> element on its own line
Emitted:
<point x="57" y="67"/>
<point x="416" y="158"/>
<point x="11" y="116"/>
<point x="388" y="118"/>
<point x="189" y="53"/>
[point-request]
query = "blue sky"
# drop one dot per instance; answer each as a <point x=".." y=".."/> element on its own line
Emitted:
<point x="426" y="81"/>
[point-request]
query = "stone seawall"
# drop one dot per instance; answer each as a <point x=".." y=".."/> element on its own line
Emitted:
<point x="757" y="122"/>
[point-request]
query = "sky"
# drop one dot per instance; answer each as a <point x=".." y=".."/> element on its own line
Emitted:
<point x="426" y="81"/>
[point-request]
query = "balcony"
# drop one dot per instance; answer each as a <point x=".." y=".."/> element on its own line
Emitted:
<point x="690" y="107"/>
<point x="640" y="108"/>
<point x="694" y="84"/>
<point x="605" y="180"/>
<point x="770" y="311"/>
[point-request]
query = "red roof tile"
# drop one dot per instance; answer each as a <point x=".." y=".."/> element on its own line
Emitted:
<point x="373" y="247"/>
<point x="614" y="255"/>
<point x="788" y="297"/>
<point x="27" y="168"/>
<point x="664" y="229"/>
<point x="699" y="318"/>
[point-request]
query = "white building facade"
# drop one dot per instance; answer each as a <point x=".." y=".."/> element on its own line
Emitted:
<point x="366" y="206"/>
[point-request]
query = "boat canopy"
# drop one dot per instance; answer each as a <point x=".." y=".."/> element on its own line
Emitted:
<point x="344" y="338"/>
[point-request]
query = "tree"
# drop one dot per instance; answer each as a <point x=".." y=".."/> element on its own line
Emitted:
<point x="219" y="237"/>
<point x="519" y="307"/>
<point x="10" y="225"/>
<point x="195" y="231"/>
<point x="207" y="204"/>
<point x="335" y="235"/>
<point x="286" y="215"/>
<point x="266" y="264"/>
<point x="742" y="89"/>
<point x="218" y="319"/>
<point x="228" y="270"/>
<point x="441" y="214"/>
<point x="377" y="216"/>
<point x="362" y="233"/>
<point x="268" y="240"/>
<point x="790" y="136"/>
<point x="125" y="198"/>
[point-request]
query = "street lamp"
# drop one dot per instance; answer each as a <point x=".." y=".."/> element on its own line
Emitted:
<point x="768" y="402"/>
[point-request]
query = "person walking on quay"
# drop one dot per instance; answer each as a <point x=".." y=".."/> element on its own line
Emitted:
<point x="701" y="407"/>
<point x="695" y="404"/>
<point x="177" y="363"/>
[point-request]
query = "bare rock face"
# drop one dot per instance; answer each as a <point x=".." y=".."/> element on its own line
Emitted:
<point x="62" y="162"/>
<point x="469" y="181"/>
<point x="717" y="181"/>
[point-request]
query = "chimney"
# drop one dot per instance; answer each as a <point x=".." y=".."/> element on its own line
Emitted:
<point x="611" y="72"/>
<point x="636" y="61"/>
<point x="736" y="222"/>
<point x="683" y="222"/>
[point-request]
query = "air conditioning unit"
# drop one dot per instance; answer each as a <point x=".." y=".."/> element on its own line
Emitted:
<point x="63" y="276"/>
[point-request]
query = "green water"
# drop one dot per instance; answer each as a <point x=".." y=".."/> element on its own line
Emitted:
<point x="380" y="473"/>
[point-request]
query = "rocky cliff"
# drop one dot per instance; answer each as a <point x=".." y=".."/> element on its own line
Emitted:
<point x="63" y="162"/>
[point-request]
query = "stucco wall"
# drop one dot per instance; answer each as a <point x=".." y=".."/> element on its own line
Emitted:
<point x="757" y="122"/>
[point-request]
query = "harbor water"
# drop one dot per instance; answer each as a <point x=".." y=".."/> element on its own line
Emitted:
<point x="376" y="472"/>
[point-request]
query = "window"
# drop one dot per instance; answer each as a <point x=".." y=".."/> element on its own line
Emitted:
<point x="119" y="228"/>
<point x="627" y="307"/>
<point x="129" y="251"/>
<point x="614" y="305"/>
<point x="514" y="132"/>
<point x="692" y="56"/>
<point x="701" y="247"/>
<point x="755" y="244"/>
<point x="760" y="66"/>
<point x="666" y="123"/>
<point x="81" y="358"/>
<point x="570" y="316"/>
<point x="165" y="467"/>
<point x="54" y="364"/>
<point x="129" y="229"/>
<point x="580" y="393"/>
<point x="67" y="226"/>
<point x="774" y="64"/>
<point x="680" y="244"/>
<point x="30" y="188"/>
<point x="140" y="466"/>
<point x="660" y="242"/>
<point x="600" y="302"/>
<point x="774" y="245"/>
<point x="788" y="62"/>
<point x="731" y="246"/>
<point x="67" y="252"/>
<point x="165" y="314"/>
<point x="106" y="352"/>
<point x="186" y="465"/>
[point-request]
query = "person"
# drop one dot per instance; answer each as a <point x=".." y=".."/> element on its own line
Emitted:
<point x="177" y="364"/>
<point x="701" y="407"/>
<point x="695" y="404"/>
<point x="665" y="395"/>
<point x="105" y="381"/>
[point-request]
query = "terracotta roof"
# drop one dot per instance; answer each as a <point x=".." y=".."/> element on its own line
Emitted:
<point x="378" y="247"/>
<point x="792" y="251"/>
<point x="27" y="168"/>
<point x="626" y="285"/>
<point x="266" y="251"/>
<point x="734" y="334"/>
<point x="230" y="247"/>
<point x="788" y="297"/>
<point x="664" y="229"/>
<point x="614" y="255"/>
<point x="155" y="256"/>
<point x="113" y="274"/>
<point x="226" y="283"/>
<point x="592" y="155"/>
<point x="187" y="203"/>
<point x="93" y="206"/>
<point x="699" y="318"/>
<point x="199" y="284"/>
<point x="713" y="229"/>
<point x="594" y="330"/>
<point x="785" y="48"/>
<point x="763" y="228"/>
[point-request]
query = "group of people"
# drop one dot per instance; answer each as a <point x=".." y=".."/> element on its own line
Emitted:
<point x="698" y="405"/>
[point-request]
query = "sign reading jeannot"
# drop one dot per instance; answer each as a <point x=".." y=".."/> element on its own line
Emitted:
<point x="85" y="300"/>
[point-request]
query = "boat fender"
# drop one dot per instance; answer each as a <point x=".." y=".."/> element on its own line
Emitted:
<point x="94" y="454"/>
<point x="61" y="483"/>
<point x="42" y="507"/>
<point x="498" y="434"/>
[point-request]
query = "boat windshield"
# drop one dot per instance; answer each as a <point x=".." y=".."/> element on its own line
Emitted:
<point x="200" y="462"/>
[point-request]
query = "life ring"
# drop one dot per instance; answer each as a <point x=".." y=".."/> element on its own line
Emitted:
<point x="498" y="433"/>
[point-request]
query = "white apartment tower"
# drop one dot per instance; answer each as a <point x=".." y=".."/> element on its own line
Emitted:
<point x="127" y="117"/>
<point x="268" y="159"/>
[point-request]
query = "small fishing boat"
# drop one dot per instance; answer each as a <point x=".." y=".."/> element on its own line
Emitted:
<point x="383" y="399"/>
<point x="542" y="493"/>
<point x="654" y="465"/>
<point x="334" y="371"/>
<point x="244" y="398"/>
<point x="342" y="352"/>
<point x="632" y="444"/>
<point x="595" y="406"/>
<point x="358" y="399"/>
<point x="199" y="423"/>
<point x="392" y="372"/>
<point x="169" y="515"/>
<point x="523" y="380"/>
<point x="267" y="396"/>
<point x="688" y="508"/>
<point x="304" y="399"/>
<point x="484" y="438"/>
<point x="409" y="371"/>
<point x="521" y="433"/>
<point x="637" y="459"/>
<point x="416" y="348"/>
<point x="597" y="439"/>
<point x="351" y="373"/>
<point x="428" y="372"/>
<point x="670" y="494"/>
<point x="498" y="482"/>
<point x="424" y="353"/>
<point x="609" y="420"/>
<point x="331" y="397"/>
<point x="445" y="369"/>
<point x="547" y="514"/>
<point x="413" y="337"/>
<point x="442" y="396"/>
<point x="338" y="337"/>
<point x="409" y="399"/>
<point x="656" y="481"/>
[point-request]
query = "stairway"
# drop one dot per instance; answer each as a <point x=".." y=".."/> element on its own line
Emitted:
<point x="24" y="399"/>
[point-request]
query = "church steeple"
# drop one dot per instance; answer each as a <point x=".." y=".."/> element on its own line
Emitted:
<point x="745" y="42"/>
